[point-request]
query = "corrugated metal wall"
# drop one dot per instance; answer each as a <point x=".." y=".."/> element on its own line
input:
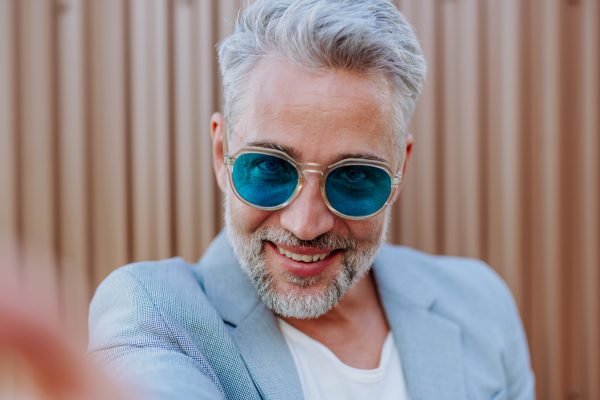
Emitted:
<point x="105" y="151"/>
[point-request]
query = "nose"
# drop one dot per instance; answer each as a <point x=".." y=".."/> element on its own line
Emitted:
<point x="307" y="216"/>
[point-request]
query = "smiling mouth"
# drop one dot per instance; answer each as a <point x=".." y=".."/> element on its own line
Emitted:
<point x="302" y="257"/>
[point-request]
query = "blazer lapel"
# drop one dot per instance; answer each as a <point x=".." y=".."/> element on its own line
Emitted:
<point x="267" y="356"/>
<point x="429" y="345"/>
<point x="254" y="327"/>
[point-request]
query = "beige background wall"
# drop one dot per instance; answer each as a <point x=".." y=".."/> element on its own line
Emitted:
<point x="105" y="152"/>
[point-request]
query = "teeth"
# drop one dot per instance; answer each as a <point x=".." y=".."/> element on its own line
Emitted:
<point x="302" y="257"/>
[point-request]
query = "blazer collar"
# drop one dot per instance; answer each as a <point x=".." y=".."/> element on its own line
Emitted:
<point x="429" y="344"/>
<point x="226" y="285"/>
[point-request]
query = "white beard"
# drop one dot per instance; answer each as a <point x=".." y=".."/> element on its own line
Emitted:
<point x="298" y="303"/>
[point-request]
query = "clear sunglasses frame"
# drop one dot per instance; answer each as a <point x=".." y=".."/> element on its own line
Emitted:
<point x="308" y="167"/>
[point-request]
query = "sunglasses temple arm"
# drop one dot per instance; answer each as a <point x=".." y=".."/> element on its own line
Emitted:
<point x="398" y="178"/>
<point x="226" y="156"/>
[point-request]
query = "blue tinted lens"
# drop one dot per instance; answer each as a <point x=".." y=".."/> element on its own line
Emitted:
<point x="358" y="190"/>
<point x="263" y="180"/>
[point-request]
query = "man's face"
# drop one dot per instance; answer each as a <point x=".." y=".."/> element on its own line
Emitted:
<point x="320" y="118"/>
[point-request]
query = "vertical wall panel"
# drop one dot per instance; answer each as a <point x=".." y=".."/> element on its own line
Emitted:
<point x="8" y="123"/>
<point x="532" y="192"/>
<point x="493" y="137"/>
<point x="550" y="241"/>
<point x="161" y="123"/>
<point x="570" y="182"/>
<point x="510" y="134"/>
<point x="185" y="137"/>
<point x="590" y="198"/>
<point x="468" y="141"/>
<point x="141" y="134"/>
<point x="502" y="146"/>
<point x="425" y="161"/>
<point x="38" y="141"/>
<point x="8" y="159"/>
<point x="403" y="222"/>
<point x="75" y="257"/>
<point x="109" y="137"/>
<point x="451" y="177"/>
<point x="205" y="89"/>
<point x="227" y="12"/>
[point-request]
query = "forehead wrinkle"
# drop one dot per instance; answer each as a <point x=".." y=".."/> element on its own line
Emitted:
<point x="329" y="121"/>
<point x="268" y="80"/>
<point x="318" y="103"/>
<point x="315" y="115"/>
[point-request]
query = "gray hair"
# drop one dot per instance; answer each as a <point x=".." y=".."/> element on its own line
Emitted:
<point x="367" y="36"/>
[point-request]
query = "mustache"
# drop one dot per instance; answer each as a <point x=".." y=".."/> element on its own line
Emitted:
<point x="326" y="240"/>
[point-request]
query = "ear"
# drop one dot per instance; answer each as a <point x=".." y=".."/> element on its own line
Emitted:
<point x="409" y="146"/>
<point x="217" y="129"/>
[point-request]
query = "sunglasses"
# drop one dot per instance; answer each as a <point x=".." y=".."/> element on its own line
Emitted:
<point x="269" y="179"/>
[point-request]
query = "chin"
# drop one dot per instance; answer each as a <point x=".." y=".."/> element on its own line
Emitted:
<point x="292" y="301"/>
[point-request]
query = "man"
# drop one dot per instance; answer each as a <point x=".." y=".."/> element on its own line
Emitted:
<point x="299" y="297"/>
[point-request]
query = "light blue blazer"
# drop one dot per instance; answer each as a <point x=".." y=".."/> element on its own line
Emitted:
<point x="181" y="331"/>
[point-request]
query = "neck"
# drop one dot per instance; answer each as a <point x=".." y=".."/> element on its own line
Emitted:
<point x="358" y="308"/>
<point x="355" y="329"/>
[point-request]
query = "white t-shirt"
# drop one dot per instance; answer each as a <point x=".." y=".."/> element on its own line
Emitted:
<point x="324" y="377"/>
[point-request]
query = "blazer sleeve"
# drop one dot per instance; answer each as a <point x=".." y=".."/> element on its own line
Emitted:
<point x="140" y="349"/>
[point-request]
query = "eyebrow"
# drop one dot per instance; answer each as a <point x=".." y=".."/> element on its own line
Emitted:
<point x="371" y="157"/>
<point x="294" y="154"/>
<point x="268" y="145"/>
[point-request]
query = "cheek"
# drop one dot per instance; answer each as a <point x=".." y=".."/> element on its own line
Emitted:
<point x="246" y="218"/>
<point x="368" y="230"/>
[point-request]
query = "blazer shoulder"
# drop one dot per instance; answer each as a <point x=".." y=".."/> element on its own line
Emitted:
<point x="171" y="269"/>
<point x="463" y="287"/>
<point x="150" y="322"/>
<point x="173" y="274"/>
<point x="138" y="297"/>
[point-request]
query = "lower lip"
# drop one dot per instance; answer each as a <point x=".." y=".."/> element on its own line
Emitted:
<point x="300" y="268"/>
